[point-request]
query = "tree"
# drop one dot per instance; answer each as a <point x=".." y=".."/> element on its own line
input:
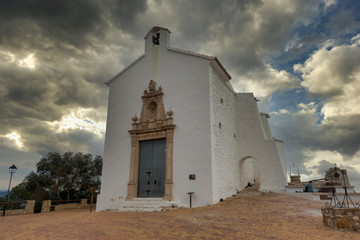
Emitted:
<point x="51" y="167"/>
<point x="81" y="172"/>
<point x="60" y="176"/>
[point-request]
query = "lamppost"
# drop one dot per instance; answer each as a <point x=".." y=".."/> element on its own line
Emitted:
<point x="12" y="170"/>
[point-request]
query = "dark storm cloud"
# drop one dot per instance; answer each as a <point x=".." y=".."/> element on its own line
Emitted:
<point x="26" y="93"/>
<point x="245" y="35"/>
<point x="303" y="138"/>
<point x="66" y="39"/>
<point x="343" y="135"/>
<point x="124" y="13"/>
<point x="301" y="132"/>
<point x="322" y="167"/>
<point x="63" y="21"/>
<point x="72" y="140"/>
<point x="218" y="22"/>
<point x="35" y="98"/>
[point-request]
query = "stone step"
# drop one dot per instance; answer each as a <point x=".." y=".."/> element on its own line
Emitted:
<point x="137" y="209"/>
<point x="148" y="205"/>
<point x="153" y="205"/>
<point x="147" y="199"/>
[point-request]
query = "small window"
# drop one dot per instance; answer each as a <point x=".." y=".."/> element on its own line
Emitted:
<point x="234" y="135"/>
<point x="221" y="100"/>
<point x="219" y="124"/>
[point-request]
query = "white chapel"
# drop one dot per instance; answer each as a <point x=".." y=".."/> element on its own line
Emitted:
<point x="176" y="128"/>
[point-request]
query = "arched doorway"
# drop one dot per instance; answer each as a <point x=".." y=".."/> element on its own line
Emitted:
<point x="249" y="171"/>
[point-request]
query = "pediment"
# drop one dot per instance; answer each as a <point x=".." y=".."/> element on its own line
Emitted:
<point x="153" y="116"/>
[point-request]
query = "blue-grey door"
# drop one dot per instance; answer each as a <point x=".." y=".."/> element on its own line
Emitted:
<point x="152" y="160"/>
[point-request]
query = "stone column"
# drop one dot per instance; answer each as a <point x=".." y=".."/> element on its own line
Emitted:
<point x="169" y="165"/>
<point x="29" y="207"/>
<point x="132" y="191"/>
<point x="46" y="204"/>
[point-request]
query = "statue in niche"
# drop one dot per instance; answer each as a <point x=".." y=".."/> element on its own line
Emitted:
<point x="153" y="106"/>
<point x="152" y="111"/>
<point x="152" y="86"/>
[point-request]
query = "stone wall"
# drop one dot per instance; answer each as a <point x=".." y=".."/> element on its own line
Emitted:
<point x="29" y="208"/>
<point x="341" y="218"/>
<point x="46" y="206"/>
<point x="82" y="204"/>
<point x="225" y="165"/>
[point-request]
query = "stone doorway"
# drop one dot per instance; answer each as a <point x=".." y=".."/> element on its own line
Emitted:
<point x="152" y="138"/>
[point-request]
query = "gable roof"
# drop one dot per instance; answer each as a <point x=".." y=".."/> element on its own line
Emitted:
<point x="211" y="58"/>
<point x="202" y="56"/>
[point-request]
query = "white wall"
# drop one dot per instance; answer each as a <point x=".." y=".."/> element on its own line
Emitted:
<point x="124" y="102"/>
<point x="281" y="149"/>
<point x="252" y="143"/>
<point x="186" y="87"/>
<point x="265" y="126"/>
<point x="224" y="145"/>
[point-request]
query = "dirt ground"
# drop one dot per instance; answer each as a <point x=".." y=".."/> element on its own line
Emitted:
<point x="246" y="216"/>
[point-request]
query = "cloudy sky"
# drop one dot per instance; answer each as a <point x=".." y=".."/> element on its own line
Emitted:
<point x="300" y="58"/>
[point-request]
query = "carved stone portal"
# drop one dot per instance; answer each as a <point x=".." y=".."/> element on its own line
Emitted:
<point x="154" y="123"/>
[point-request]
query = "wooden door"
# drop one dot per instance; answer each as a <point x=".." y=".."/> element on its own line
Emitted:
<point x="152" y="160"/>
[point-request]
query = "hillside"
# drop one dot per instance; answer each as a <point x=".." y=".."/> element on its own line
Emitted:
<point x="249" y="215"/>
<point x="3" y="193"/>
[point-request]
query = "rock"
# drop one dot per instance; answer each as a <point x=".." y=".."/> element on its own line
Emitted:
<point x="356" y="226"/>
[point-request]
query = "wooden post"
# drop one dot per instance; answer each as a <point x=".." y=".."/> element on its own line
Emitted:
<point x="92" y="196"/>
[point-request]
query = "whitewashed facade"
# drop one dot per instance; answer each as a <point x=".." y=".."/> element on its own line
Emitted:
<point x="218" y="136"/>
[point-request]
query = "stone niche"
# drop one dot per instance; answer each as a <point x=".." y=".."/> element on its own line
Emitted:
<point x="341" y="218"/>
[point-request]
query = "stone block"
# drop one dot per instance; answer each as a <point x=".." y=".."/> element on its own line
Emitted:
<point x="46" y="204"/>
<point x="341" y="218"/>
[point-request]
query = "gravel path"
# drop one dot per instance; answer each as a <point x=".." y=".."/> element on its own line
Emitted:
<point x="249" y="215"/>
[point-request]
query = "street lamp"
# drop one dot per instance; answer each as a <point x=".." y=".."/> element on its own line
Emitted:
<point x="12" y="170"/>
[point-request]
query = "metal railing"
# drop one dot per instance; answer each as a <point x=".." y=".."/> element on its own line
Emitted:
<point x="335" y="202"/>
<point x="13" y="203"/>
<point x="58" y="202"/>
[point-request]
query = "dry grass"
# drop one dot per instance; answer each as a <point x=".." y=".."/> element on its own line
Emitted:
<point x="247" y="216"/>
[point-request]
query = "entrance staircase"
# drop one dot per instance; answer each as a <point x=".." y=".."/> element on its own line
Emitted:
<point x="148" y="205"/>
